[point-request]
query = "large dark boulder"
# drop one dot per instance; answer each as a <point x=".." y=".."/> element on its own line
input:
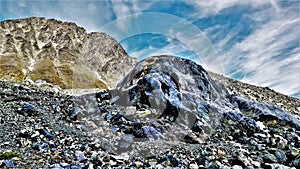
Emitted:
<point x="183" y="93"/>
<point x="179" y="89"/>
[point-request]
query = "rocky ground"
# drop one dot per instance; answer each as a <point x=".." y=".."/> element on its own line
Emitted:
<point x="165" y="113"/>
<point x="261" y="94"/>
<point x="51" y="129"/>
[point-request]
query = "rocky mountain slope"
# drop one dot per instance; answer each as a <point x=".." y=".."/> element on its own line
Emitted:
<point x="60" y="53"/>
<point x="162" y="112"/>
<point x="166" y="113"/>
<point x="260" y="94"/>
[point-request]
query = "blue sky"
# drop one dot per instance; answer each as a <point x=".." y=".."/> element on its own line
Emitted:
<point x="255" y="41"/>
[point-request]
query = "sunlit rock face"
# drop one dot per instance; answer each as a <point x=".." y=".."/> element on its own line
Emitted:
<point x="183" y="93"/>
<point x="179" y="89"/>
<point x="60" y="53"/>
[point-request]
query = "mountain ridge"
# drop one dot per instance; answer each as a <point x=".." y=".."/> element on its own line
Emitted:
<point x="73" y="58"/>
<point x="161" y="112"/>
<point x="37" y="47"/>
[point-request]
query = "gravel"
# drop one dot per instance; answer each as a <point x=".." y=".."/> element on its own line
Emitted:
<point x="50" y="129"/>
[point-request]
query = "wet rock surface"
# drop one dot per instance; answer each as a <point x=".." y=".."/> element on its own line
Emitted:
<point x="156" y="118"/>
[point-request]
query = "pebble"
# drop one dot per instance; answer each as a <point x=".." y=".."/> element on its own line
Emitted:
<point x="74" y="113"/>
<point x="281" y="157"/>
<point x="44" y="147"/>
<point x="276" y="166"/>
<point x="45" y="132"/>
<point x="150" y="132"/>
<point x="8" y="163"/>
<point x="28" y="109"/>
<point x="221" y="153"/>
<point x="80" y="155"/>
<point x="296" y="162"/>
<point x="269" y="158"/>
<point x="64" y="165"/>
<point x="260" y="125"/>
<point x="138" y="164"/>
<point x="294" y="152"/>
<point x="237" y="167"/>
<point x="193" y="166"/>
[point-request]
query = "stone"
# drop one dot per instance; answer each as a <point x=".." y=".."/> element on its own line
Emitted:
<point x="281" y="157"/>
<point x="138" y="164"/>
<point x="8" y="164"/>
<point x="294" y="152"/>
<point x="168" y="159"/>
<point x="43" y="147"/>
<point x="184" y="93"/>
<point x="265" y="111"/>
<point x="193" y="166"/>
<point x="74" y="113"/>
<point x="64" y="165"/>
<point x="276" y="166"/>
<point x="269" y="158"/>
<point x="45" y="132"/>
<point x="80" y="155"/>
<point x="260" y="125"/>
<point x="221" y="153"/>
<point x="25" y="133"/>
<point x="165" y="87"/>
<point x="237" y="167"/>
<point x="296" y="162"/>
<point x="150" y="132"/>
<point x="28" y="109"/>
<point x="126" y="141"/>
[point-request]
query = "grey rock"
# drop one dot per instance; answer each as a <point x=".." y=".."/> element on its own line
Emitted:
<point x="296" y="162"/>
<point x="8" y="164"/>
<point x="193" y="166"/>
<point x="265" y="111"/>
<point x="281" y="157"/>
<point x="269" y="158"/>
<point x="237" y="167"/>
<point x="276" y="166"/>
<point x="80" y="155"/>
<point x="295" y="152"/>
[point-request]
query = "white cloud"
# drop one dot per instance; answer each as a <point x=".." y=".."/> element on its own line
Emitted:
<point x="263" y="56"/>
<point x="88" y="14"/>
<point x="257" y="55"/>
<point x="172" y="48"/>
<point x="125" y="11"/>
<point x="208" y="8"/>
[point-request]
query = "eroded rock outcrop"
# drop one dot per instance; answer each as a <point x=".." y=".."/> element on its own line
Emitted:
<point x="60" y="53"/>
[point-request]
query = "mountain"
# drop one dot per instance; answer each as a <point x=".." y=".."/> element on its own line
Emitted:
<point x="60" y="53"/>
<point x="161" y="112"/>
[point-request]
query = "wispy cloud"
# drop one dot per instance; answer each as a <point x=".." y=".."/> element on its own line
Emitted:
<point x="89" y="14"/>
<point x="269" y="56"/>
<point x="158" y="45"/>
<point x="257" y="40"/>
<point x="208" y="8"/>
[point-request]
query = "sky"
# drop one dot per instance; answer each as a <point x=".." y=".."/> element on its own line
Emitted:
<point x="254" y="41"/>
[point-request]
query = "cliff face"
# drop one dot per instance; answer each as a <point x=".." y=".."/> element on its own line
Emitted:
<point x="60" y="53"/>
